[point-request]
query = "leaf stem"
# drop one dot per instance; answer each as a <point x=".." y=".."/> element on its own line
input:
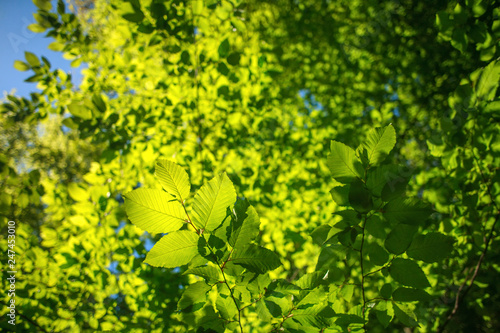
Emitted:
<point x="362" y="270"/>
<point x="221" y="267"/>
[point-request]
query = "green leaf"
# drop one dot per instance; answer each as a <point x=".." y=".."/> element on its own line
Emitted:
<point x="154" y="210"/>
<point x="224" y="48"/>
<point x="284" y="287"/>
<point x="77" y="193"/>
<point x="246" y="230"/>
<point x="43" y="4"/>
<point x="61" y="8"/>
<point x="56" y="46"/>
<point x="404" y="294"/>
<point x="397" y="179"/>
<point x="431" y="247"/>
<point x="378" y="145"/>
<point x="376" y="227"/>
<point x="234" y="59"/>
<point x="319" y="235"/>
<point x="400" y="238"/>
<point x="210" y="272"/>
<point x="377" y="254"/>
<point x="310" y="312"/>
<point x="35" y="27"/>
<point x="99" y="103"/>
<point x="459" y="40"/>
<point x="359" y="197"/>
<point x="197" y="6"/>
<point x="21" y="66"/>
<point x="211" y="202"/>
<point x="405" y="315"/>
<point x="378" y="177"/>
<point x="406" y="210"/>
<point x="384" y="312"/>
<point x="173" y="178"/>
<point x="256" y="259"/>
<point x="340" y="194"/>
<point x="349" y="216"/>
<point x="343" y="163"/>
<point x="386" y="290"/>
<point x="225" y="306"/>
<point x="32" y="59"/>
<point x="409" y="273"/>
<point x="132" y="11"/>
<point x="195" y="293"/>
<point x="309" y="280"/>
<point x="488" y="82"/>
<point x="173" y="250"/>
<point x="79" y="110"/>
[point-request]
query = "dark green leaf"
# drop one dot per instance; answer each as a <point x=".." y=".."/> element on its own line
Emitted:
<point x="403" y="294"/>
<point x="378" y="256"/>
<point x="400" y="238"/>
<point x="340" y="194"/>
<point x="256" y="259"/>
<point x="386" y="291"/>
<point x="408" y="211"/>
<point x="99" y="103"/>
<point x="234" y="59"/>
<point x="409" y="273"/>
<point x="359" y="197"/>
<point x="431" y="247"/>
<point x="376" y="227"/>
<point x="224" y="48"/>
<point x="396" y="181"/>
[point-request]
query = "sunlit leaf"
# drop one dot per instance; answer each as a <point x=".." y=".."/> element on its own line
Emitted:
<point x="154" y="210"/>
<point x="343" y="163"/>
<point x="211" y="202"/>
<point x="378" y="144"/>
<point x="173" y="178"/>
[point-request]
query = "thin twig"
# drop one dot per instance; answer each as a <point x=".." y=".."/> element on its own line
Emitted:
<point x="362" y="271"/>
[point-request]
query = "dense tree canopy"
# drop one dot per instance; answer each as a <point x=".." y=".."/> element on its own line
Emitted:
<point x="224" y="133"/>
